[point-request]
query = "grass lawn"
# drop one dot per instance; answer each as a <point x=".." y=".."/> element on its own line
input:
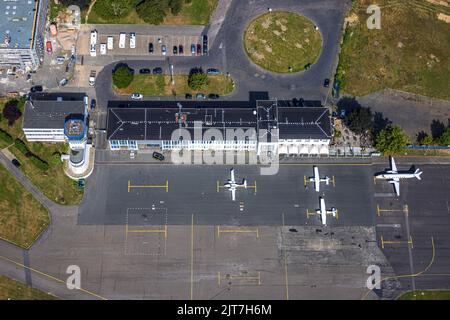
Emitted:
<point x="419" y="152"/>
<point x="198" y="12"/>
<point x="277" y="40"/>
<point x="54" y="183"/>
<point x="14" y="290"/>
<point x="410" y="52"/>
<point x="426" y="295"/>
<point x="22" y="217"/>
<point x="160" y="85"/>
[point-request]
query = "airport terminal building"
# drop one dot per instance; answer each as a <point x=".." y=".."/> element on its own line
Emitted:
<point x="266" y="127"/>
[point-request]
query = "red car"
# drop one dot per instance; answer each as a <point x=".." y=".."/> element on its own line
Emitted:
<point x="199" y="49"/>
<point x="48" y="47"/>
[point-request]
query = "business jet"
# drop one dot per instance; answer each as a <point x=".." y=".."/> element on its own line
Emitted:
<point x="322" y="211"/>
<point x="317" y="179"/>
<point x="232" y="185"/>
<point x="393" y="176"/>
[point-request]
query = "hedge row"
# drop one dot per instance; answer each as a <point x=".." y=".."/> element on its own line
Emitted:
<point x="6" y="137"/>
<point x="36" y="161"/>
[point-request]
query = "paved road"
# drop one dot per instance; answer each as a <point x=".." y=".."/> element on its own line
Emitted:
<point x="227" y="53"/>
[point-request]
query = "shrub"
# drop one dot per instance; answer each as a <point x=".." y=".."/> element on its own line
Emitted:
<point x="55" y="159"/>
<point x="122" y="77"/>
<point x="152" y="11"/>
<point x="39" y="163"/>
<point x="197" y="79"/>
<point x="20" y="145"/>
<point x="6" y="137"/>
<point x="391" y="139"/>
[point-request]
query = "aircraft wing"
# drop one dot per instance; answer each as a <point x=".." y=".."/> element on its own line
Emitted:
<point x="393" y="166"/>
<point x="233" y="194"/>
<point x="316" y="179"/>
<point x="323" y="211"/>
<point x="396" y="183"/>
<point x="232" y="174"/>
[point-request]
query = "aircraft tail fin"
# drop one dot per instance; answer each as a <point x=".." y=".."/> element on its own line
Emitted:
<point x="417" y="174"/>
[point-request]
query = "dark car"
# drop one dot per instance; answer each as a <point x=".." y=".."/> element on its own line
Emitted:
<point x="307" y="66"/>
<point x="175" y="50"/>
<point x="199" y="49"/>
<point x="213" y="96"/>
<point x="193" y="49"/>
<point x="16" y="163"/>
<point x="180" y="49"/>
<point x="36" y="89"/>
<point x="145" y="71"/>
<point x="93" y="104"/>
<point x="150" y="47"/>
<point x="158" y="156"/>
<point x="205" y="48"/>
<point x="157" y="70"/>
<point x="188" y="96"/>
<point x="205" y="39"/>
<point x="326" y="83"/>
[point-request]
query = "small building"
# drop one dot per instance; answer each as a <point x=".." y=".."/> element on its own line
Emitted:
<point x="267" y="128"/>
<point x="22" y="28"/>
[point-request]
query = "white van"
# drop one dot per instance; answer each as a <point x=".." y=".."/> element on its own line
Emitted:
<point x="110" y="43"/>
<point x="122" y="38"/>
<point x="93" y="44"/>
<point x="102" y="48"/>
<point x="132" y="40"/>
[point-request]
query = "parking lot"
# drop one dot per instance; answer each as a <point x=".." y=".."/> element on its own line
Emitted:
<point x="168" y="36"/>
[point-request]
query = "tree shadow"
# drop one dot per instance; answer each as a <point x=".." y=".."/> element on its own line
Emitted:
<point x="437" y="128"/>
<point x="421" y="135"/>
<point x="348" y="104"/>
<point x="379" y="122"/>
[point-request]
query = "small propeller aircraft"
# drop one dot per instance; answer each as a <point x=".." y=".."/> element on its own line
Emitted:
<point x="317" y="179"/>
<point x="232" y="185"/>
<point x="393" y="176"/>
<point x="322" y="211"/>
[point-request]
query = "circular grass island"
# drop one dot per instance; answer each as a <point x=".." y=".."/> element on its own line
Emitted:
<point x="282" y="42"/>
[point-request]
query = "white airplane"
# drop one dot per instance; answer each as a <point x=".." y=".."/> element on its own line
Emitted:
<point x="317" y="179"/>
<point x="323" y="211"/>
<point x="232" y="185"/>
<point x="393" y="176"/>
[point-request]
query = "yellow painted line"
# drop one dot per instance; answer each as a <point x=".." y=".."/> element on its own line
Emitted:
<point x="257" y="233"/>
<point x="148" y="231"/>
<point x="49" y="276"/>
<point x="129" y="183"/>
<point x="217" y="185"/>
<point x="378" y="210"/>
<point x="414" y="275"/>
<point x="167" y="185"/>
<point x="243" y="230"/>
<point x="126" y="231"/>
<point x="218" y="231"/>
<point x="218" y="278"/>
<point x="256" y="189"/>
<point x="304" y="181"/>
<point x="334" y="181"/>
<point x="337" y="214"/>
<point x="192" y="257"/>
<point x="409" y="242"/>
<point x="382" y="242"/>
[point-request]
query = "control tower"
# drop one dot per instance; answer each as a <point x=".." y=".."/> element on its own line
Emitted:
<point x="75" y="132"/>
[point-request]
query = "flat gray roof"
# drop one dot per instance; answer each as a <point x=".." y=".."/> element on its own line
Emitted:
<point x="17" y="19"/>
<point x="40" y="114"/>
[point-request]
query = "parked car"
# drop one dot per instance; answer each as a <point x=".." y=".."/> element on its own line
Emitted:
<point x="188" y="96"/>
<point x="193" y="51"/>
<point x="180" y="49"/>
<point x="36" y="89"/>
<point x="132" y="40"/>
<point x="326" y="83"/>
<point x="92" y="77"/>
<point x="63" y="82"/>
<point x="213" y="96"/>
<point x="93" y="104"/>
<point x="307" y="66"/>
<point x="175" y="50"/>
<point x="150" y="47"/>
<point x="145" y="71"/>
<point x="158" y="156"/>
<point x="16" y="163"/>
<point x="200" y="96"/>
<point x="163" y="50"/>
<point x="157" y="70"/>
<point x="213" y="71"/>
<point x="205" y="39"/>
<point x="199" y="49"/>
<point x="136" y="96"/>
<point x="49" y="47"/>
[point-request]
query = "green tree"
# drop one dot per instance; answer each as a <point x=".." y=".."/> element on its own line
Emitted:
<point x="444" y="139"/>
<point x="175" y="6"/>
<point x="122" y="77"/>
<point x="391" y="140"/>
<point x="360" y="120"/>
<point x="152" y="11"/>
<point x="425" y="140"/>
<point x="115" y="8"/>
<point x="197" y="79"/>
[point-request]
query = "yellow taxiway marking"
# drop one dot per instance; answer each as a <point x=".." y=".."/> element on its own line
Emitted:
<point x="164" y="186"/>
<point x="256" y="278"/>
<point x="49" y="276"/>
<point x="405" y="210"/>
<point x="409" y="242"/>
<point x="414" y="275"/>
<point x="334" y="181"/>
<point x="150" y="231"/>
<point x="237" y="230"/>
